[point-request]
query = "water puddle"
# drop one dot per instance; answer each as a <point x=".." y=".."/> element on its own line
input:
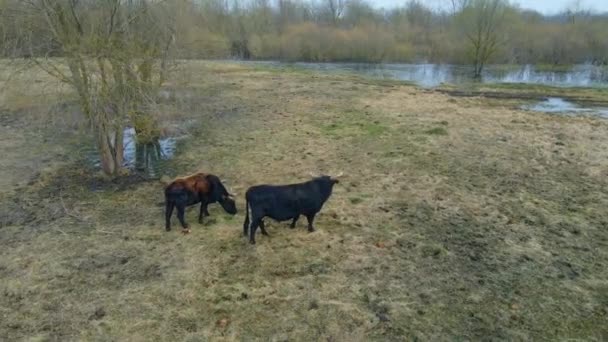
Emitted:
<point x="560" y="106"/>
<point x="150" y="159"/>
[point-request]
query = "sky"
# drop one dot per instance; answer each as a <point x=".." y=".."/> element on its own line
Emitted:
<point x="543" y="6"/>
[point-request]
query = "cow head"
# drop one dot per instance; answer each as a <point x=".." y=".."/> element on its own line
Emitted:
<point x="221" y="195"/>
<point x="327" y="179"/>
<point x="228" y="204"/>
<point x="326" y="183"/>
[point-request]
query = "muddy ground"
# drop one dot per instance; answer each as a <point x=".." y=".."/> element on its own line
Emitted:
<point x="459" y="218"/>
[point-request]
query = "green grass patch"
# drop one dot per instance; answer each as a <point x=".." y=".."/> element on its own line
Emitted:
<point x="355" y="200"/>
<point x="354" y="123"/>
<point x="436" y="131"/>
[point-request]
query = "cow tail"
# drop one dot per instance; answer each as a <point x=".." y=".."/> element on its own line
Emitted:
<point x="246" y="223"/>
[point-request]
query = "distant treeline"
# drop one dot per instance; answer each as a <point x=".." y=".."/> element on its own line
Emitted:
<point x="463" y="31"/>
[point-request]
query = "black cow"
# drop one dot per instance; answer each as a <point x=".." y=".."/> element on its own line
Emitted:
<point x="286" y="202"/>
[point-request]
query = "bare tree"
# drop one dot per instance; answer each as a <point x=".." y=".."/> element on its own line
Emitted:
<point x="114" y="55"/>
<point x="481" y="22"/>
<point x="459" y="5"/>
<point x="575" y="11"/>
<point x="291" y="12"/>
<point x="335" y="9"/>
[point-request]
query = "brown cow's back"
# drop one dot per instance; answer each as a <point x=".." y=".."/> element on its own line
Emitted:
<point x="196" y="183"/>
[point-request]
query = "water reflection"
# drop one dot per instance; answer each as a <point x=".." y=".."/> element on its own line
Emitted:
<point x="147" y="158"/>
<point x="578" y="76"/>
<point x="431" y="75"/>
<point x="150" y="159"/>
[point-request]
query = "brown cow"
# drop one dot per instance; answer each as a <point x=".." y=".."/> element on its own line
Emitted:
<point x="199" y="188"/>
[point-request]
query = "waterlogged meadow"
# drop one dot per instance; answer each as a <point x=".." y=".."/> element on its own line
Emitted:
<point x="461" y="216"/>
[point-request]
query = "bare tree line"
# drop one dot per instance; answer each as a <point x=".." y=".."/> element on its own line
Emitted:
<point x="353" y="30"/>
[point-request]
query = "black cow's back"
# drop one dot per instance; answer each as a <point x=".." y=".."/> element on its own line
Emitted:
<point x="284" y="202"/>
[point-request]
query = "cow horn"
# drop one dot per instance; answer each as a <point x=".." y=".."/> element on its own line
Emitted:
<point x="339" y="174"/>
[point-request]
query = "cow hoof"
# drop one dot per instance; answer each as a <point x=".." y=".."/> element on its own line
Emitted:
<point x="185" y="231"/>
<point x="252" y="242"/>
<point x="311" y="230"/>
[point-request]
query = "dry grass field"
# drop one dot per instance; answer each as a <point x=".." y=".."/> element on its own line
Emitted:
<point x="459" y="218"/>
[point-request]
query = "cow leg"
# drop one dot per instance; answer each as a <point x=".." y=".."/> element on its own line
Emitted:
<point x="255" y="222"/>
<point x="168" y="212"/>
<point x="203" y="211"/>
<point x="264" y="232"/>
<point x="293" y="223"/>
<point x="246" y="226"/>
<point x="310" y="219"/>
<point x="181" y="209"/>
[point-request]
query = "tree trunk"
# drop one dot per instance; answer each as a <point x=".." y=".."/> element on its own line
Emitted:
<point x="478" y="70"/>
<point x="105" y="151"/>
<point x="110" y="144"/>
<point x="119" y="148"/>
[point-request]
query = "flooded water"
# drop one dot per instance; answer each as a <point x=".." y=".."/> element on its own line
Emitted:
<point x="431" y="75"/>
<point x="559" y="105"/>
<point x="150" y="159"/>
